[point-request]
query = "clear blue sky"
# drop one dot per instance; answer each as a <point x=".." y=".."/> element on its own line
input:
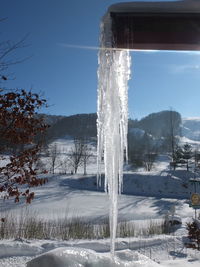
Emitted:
<point x="67" y="76"/>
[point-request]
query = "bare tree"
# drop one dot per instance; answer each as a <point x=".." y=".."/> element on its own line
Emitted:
<point x="172" y="135"/>
<point x="53" y="153"/>
<point x="8" y="56"/>
<point x="149" y="156"/>
<point x="78" y="154"/>
<point x="148" y="160"/>
<point x="174" y="130"/>
<point x="87" y="153"/>
<point x="65" y="165"/>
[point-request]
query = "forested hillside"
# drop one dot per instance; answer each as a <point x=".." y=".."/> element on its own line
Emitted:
<point x="159" y="124"/>
<point x="80" y="125"/>
<point x="84" y="125"/>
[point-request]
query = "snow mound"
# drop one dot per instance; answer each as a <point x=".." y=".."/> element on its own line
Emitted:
<point x="19" y="248"/>
<point x="80" y="257"/>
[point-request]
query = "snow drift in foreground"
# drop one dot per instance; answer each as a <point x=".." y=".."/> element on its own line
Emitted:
<point x="80" y="257"/>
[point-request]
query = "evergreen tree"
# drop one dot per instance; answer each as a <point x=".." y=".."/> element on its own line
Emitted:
<point x="187" y="154"/>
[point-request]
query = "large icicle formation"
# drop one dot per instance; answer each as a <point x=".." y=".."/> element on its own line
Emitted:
<point x="112" y="122"/>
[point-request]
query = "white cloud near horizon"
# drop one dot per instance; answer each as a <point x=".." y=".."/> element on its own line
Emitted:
<point x="176" y="69"/>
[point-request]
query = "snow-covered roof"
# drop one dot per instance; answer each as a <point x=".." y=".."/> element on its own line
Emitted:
<point x="185" y="6"/>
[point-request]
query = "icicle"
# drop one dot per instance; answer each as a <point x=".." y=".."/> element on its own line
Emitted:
<point x="112" y="121"/>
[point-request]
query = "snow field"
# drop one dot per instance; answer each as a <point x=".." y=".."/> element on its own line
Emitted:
<point x="161" y="249"/>
<point x="69" y="196"/>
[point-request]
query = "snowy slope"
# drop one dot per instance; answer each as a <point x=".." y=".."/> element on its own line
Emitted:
<point x="131" y="252"/>
<point x="147" y="196"/>
<point x="191" y="128"/>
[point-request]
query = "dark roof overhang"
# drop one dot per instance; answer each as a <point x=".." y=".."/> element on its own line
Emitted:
<point x="156" y="25"/>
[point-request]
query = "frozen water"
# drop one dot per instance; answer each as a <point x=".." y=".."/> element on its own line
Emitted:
<point x="112" y="122"/>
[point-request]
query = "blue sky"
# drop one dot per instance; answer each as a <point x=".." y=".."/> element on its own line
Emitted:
<point x="67" y="76"/>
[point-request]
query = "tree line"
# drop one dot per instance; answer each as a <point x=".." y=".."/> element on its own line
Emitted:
<point x="68" y="161"/>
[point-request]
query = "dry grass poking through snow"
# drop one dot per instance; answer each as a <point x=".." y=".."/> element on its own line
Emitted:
<point x="30" y="226"/>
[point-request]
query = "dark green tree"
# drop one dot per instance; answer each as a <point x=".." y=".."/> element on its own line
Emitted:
<point x="187" y="154"/>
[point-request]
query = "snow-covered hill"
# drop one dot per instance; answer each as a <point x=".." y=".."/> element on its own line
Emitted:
<point x="191" y="128"/>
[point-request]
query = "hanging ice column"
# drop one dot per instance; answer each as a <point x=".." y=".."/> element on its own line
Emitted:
<point x="112" y="122"/>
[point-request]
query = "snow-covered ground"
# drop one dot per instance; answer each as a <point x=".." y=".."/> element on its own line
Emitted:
<point x="190" y="128"/>
<point x="186" y="140"/>
<point x="147" y="196"/>
<point x="133" y="252"/>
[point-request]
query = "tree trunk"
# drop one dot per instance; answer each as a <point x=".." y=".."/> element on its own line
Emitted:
<point x="85" y="165"/>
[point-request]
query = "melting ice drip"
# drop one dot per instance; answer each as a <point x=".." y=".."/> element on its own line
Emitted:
<point x="112" y="122"/>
